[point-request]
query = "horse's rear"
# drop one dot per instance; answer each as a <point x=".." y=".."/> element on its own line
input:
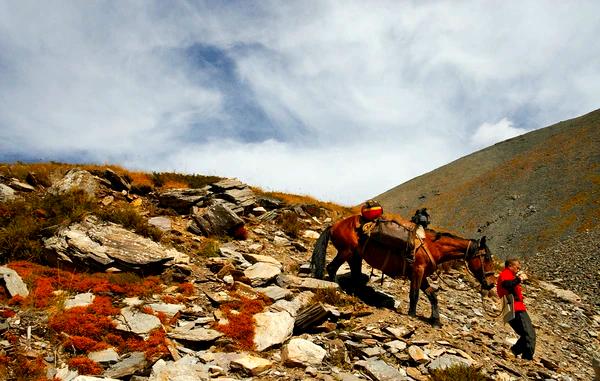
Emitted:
<point x="343" y="235"/>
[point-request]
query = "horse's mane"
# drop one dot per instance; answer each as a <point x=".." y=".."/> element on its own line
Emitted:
<point x="439" y="235"/>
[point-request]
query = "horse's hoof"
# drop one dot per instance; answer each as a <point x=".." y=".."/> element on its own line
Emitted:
<point x="436" y="323"/>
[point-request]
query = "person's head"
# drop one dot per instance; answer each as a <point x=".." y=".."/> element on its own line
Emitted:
<point x="514" y="264"/>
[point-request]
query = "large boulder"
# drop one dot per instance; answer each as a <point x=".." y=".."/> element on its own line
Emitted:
<point x="244" y="197"/>
<point x="103" y="244"/>
<point x="76" y="179"/>
<point x="301" y="352"/>
<point x="272" y="328"/>
<point x="241" y="197"/>
<point x="214" y="220"/>
<point x="117" y="182"/>
<point x="182" y="200"/>
<point x="7" y="193"/>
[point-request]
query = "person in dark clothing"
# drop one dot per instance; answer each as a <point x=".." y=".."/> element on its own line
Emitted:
<point x="421" y="217"/>
<point x="509" y="283"/>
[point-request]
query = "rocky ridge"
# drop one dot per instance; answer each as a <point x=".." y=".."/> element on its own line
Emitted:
<point x="308" y="329"/>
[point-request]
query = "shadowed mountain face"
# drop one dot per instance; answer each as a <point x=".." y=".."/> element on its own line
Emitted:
<point x="525" y="194"/>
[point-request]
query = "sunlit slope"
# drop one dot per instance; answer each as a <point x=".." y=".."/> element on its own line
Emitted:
<point x="524" y="193"/>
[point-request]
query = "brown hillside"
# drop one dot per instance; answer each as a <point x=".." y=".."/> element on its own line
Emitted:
<point x="526" y="193"/>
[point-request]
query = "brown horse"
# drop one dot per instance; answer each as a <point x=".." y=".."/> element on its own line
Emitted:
<point x="436" y="248"/>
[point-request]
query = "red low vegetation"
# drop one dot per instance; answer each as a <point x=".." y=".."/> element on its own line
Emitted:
<point x="240" y="324"/>
<point x="93" y="321"/>
<point x="186" y="288"/>
<point x="28" y="369"/>
<point x="84" y="365"/>
<point x="45" y="280"/>
<point x="7" y="313"/>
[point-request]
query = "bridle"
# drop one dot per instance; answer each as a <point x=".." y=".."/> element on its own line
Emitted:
<point x="476" y="254"/>
<point x="468" y="256"/>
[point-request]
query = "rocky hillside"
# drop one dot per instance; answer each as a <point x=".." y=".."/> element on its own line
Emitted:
<point x="210" y="283"/>
<point x="526" y="193"/>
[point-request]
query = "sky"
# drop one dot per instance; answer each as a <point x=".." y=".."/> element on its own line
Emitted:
<point x="339" y="100"/>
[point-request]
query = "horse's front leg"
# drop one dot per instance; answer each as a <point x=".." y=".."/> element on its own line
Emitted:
<point x="415" y="285"/>
<point x="432" y="296"/>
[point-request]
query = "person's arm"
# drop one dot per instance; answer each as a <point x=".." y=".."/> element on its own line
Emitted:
<point x="509" y="285"/>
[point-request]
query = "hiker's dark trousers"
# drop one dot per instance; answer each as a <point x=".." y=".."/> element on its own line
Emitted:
<point x="525" y="346"/>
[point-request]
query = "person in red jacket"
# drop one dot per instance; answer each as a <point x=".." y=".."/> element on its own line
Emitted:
<point x="509" y="283"/>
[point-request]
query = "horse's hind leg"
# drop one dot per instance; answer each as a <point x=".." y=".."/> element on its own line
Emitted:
<point x="335" y="264"/>
<point x="432" y="296"/>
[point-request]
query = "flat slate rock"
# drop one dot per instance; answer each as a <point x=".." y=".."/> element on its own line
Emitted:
<point x="108" y="355"/>
<point x="275" y="292"/>
<point x="379" y="370"/>
<point x="80" y="300"/>
<point x="104" y="244"/>
<point x="448" y="360"/>
<point x="286" y="280"/>
<point x="131" y="320"/>
<point x="14" y="283"/>
<point x="187" y="368"/>
<point x="195" y="334"/>
<point x="228" y="184"/>
<point x="182" y="200"/>
<point x="134" y="362"/>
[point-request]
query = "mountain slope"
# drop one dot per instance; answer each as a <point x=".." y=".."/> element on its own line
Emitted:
<point x="526" y="193"/>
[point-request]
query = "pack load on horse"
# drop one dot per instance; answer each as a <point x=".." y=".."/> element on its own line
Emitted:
<point x="371" y="210"/>
<point x="356" y="240"/>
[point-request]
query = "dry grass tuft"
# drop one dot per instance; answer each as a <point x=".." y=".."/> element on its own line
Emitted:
<point x="294" y="199"/>
<point x="458" y="373"/>
<point x="290" y="223"/>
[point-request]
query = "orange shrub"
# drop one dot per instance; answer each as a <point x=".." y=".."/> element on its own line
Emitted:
<point x="140" y="179"/>
<point x="154" y="347"/>
<point x="85" y="344"/>
<point x="42" y="293"/>
<point x="186" y="288"/>
<point x="240" y="324"/>
<point x="7" y="313"/>
<point x="16" y="300"/>
<point x="26" y="369"/>
<point x="92" y="321"/>
<point x="174" y="184"/>
<point x="84" y="365"/>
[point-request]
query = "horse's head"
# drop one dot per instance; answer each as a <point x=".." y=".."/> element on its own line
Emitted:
<point x="481" y="263"/>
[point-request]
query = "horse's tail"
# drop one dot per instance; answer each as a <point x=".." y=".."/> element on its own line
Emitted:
<point x="317" y="261"/>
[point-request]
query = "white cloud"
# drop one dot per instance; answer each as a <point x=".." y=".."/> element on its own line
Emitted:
<point x="338" y="97"/>
<point x="488" y="134"/>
